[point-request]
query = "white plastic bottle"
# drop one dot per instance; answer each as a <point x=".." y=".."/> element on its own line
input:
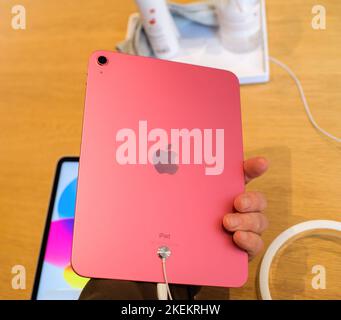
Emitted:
<point x="159" y="27"/>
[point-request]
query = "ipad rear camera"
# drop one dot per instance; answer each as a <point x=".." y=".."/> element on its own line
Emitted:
<point x="102" y="60"/>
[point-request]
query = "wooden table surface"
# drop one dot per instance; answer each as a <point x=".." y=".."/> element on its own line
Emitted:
<point x="42" y="85"/>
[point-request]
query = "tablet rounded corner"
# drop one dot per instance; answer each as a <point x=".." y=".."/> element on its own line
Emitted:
<point x="77" y="268"/>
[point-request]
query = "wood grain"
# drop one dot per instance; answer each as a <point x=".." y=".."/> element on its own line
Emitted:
<point x="42" y="85"/>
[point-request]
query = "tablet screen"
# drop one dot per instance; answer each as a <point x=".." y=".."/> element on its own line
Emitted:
<point x="55" y="278"/>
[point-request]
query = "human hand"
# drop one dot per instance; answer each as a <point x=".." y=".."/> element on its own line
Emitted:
<point x="248" y="223"/>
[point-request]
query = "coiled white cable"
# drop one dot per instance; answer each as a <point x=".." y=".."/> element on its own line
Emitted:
<point x="304" y="99"/>
<point x="278" y="243"/>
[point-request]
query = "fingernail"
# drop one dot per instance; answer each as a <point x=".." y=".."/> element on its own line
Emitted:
<point x="245" y="202"/>
<point x="233" y="221"/>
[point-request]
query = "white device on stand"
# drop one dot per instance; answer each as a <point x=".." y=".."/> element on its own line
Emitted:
<point x="239" y="24"/>
<point x="200" y="43"/>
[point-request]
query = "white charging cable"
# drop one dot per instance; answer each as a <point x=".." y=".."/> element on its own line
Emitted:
<point x="163" y="291"/>
<point x="165" y="277"/>
<point x="304" y="99"/>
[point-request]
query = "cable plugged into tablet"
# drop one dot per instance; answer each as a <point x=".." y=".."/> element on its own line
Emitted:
<point x="163" y="253"/>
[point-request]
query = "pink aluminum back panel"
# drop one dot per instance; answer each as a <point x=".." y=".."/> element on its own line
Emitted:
<point x="125" y="212"/>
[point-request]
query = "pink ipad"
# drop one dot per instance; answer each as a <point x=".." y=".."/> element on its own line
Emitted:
<point x="161" y="162"/>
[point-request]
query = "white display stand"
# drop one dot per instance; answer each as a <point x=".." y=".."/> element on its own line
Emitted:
<point x="200" y="45"/>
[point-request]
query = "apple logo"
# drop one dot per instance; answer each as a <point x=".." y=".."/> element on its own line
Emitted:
<point x="164" y="161"/>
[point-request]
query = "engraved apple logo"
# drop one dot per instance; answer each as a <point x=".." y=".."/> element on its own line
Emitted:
<point x="165" y="161"/>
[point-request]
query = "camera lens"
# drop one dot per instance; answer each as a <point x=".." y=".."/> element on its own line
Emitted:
<point x="102" y="60"/>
